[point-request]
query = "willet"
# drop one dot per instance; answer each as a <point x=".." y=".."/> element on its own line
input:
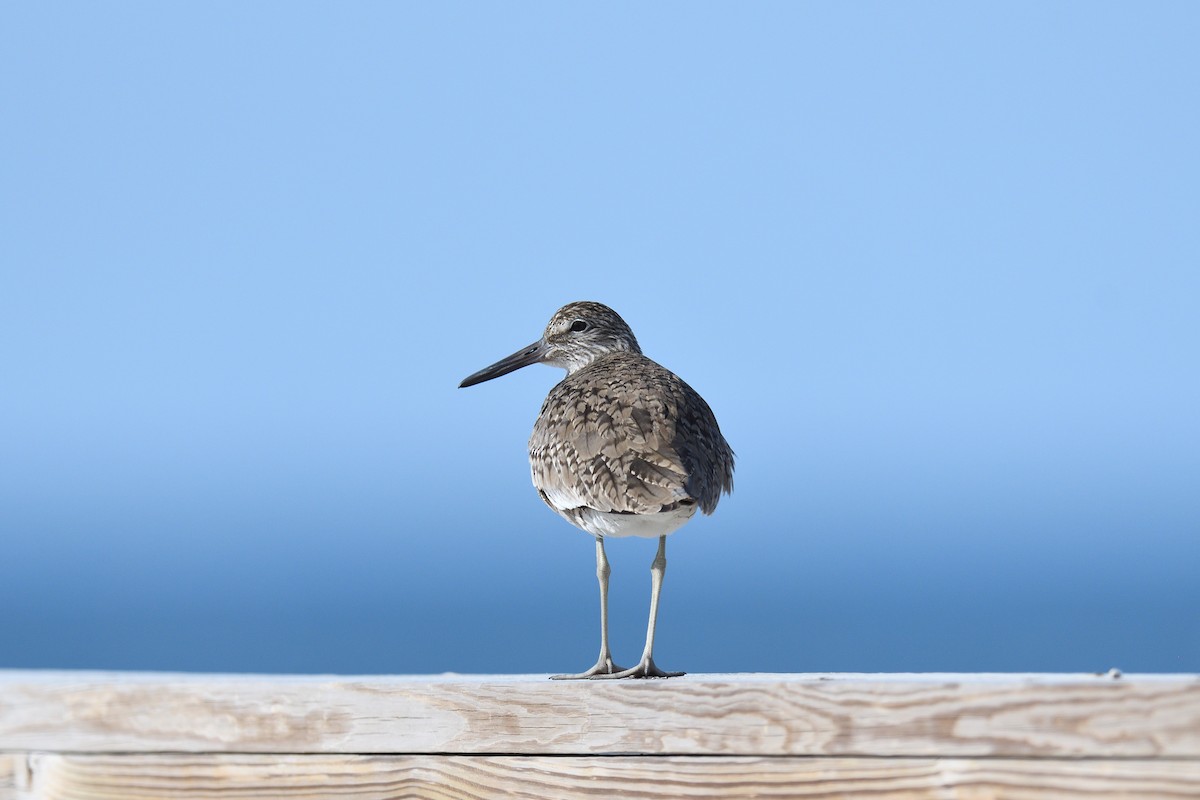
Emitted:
<point x="622" y="447"/>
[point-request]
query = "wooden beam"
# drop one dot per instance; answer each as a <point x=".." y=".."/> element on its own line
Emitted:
<point x="947" y="715"/>
<point x="8" y="774"/>
<point x="252" y="777"/>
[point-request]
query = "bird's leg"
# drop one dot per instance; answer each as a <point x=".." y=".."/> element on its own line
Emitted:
<point x="646" y="668"/>
<point x="604" y="664"/>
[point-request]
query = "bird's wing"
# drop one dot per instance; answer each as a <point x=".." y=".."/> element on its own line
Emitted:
<point x="609" y="447"/>
<point x="706" y="456"/>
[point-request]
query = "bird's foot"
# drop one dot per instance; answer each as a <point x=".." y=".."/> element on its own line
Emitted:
<point x="605" y="668"/>
<point x="646" y="668"/>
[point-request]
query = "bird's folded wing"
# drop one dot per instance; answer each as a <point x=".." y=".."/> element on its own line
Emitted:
<point x="616" y="460"/>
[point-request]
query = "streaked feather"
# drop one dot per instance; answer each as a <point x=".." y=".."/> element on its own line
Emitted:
<point x="626" y="435"/>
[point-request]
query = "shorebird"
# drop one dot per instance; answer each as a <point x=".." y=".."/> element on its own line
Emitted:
<point x="622" y="447"/>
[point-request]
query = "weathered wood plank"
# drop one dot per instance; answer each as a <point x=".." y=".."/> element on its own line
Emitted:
<point x="8" y="775"/>
<point x="242" y="777"/>
<point x="768" y="715"/>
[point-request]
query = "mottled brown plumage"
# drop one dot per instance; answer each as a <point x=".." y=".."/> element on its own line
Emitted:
<point x="626" y="435"/>
<point x="622" y="447"/>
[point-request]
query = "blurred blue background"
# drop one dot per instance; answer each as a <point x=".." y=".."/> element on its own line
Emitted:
<point x="935" y="266"/>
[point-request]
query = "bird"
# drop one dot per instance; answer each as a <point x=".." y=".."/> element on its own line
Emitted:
<point x="622" y="447"/>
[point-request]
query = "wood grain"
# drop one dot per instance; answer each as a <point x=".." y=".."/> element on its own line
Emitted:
<point x="748" y="715"/>
<point x="8" y="775"/>
<point x="233" y="777"/>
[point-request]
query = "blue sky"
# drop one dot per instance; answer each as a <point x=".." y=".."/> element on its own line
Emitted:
<point x="933" y="265"/>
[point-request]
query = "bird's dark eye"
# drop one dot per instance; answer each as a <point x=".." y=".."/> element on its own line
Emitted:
<point x="578" y="326"/>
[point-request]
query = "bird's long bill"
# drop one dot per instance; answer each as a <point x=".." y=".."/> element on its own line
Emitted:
<point x="522" y="358"/>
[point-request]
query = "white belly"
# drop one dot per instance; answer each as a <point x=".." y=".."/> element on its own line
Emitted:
<point x="651" y="526"/>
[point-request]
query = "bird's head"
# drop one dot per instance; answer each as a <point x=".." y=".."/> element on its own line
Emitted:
<point x="576" y="335"/>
